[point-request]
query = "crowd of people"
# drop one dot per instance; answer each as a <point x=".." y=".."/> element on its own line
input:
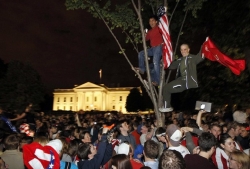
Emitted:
<point x="95" y="140"/>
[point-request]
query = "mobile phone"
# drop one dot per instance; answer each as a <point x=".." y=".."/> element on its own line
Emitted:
<point x="94" y="122"/>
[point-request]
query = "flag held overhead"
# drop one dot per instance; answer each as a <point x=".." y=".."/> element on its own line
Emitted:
<point x="210" y="51"/>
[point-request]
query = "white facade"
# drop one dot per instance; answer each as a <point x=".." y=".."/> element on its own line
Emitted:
<point x="89" y="96"/>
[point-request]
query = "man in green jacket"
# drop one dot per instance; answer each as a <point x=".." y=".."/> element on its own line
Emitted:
<point x="186" y="76"/>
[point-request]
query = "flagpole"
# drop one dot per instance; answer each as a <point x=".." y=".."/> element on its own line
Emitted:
<point x="100" y="72"/>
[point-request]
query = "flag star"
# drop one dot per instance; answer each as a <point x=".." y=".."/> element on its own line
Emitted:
<point x="51" y="166"/>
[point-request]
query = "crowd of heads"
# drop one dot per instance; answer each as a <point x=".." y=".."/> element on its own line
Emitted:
<point x="80" y="134"/>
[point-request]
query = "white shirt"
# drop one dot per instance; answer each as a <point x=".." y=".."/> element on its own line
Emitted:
<point x="152" y="164"/>
<point x="143" y="139"/>
<point x="183" y="150"/>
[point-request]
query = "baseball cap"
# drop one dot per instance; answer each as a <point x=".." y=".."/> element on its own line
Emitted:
<point x="174" y="134"/>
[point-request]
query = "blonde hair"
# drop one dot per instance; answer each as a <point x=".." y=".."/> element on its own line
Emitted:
<point x="241" y="158"/>
<point x="41" y="140"/>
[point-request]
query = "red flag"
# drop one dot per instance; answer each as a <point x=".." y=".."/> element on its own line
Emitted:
<point x="210" y="51"/>
<point x="167" y="51"/>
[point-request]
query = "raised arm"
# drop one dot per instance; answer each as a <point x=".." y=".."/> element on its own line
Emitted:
<point x="19" y="117"/>
<point x="77" y="120"/>
<point x="198" y="120"/>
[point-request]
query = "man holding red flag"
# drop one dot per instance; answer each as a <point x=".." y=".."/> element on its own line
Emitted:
<point x="186" y="73"/>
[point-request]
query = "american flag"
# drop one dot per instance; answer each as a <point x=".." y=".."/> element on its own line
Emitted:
<point x="36" y="156"/>
<point x="167" y="51"/>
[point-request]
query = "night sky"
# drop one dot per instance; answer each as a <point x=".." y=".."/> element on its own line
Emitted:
<point x="65" y="47"/>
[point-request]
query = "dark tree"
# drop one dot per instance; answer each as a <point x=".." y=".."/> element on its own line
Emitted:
<point x="20" y="86"/>
<point x="3" y="68"/>
<point x="134" y="101"/>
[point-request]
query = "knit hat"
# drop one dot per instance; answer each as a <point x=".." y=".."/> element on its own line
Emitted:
<point x="115" y="143"/>
<point x="43" y="157"/>
<point x="123" y="149"/>
<point x="174" y="134"/>
<point x="25" y="128"/>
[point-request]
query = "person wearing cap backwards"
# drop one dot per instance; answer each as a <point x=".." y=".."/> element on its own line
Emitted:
<point x="173" y="136"/>
<point x="125" y="148"/>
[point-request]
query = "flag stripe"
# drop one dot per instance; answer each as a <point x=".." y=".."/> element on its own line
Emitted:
<point x="42" y="155"/>
<point x="35" y="163"/>
<point x="167" y="51"/>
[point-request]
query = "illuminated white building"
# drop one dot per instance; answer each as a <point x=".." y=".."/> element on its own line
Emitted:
<point x="90" y="96"/>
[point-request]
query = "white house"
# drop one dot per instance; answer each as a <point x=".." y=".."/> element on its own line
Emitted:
<point x="90" y="96"/>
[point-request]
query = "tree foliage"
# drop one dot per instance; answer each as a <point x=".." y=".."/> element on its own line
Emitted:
<point x="134" y="101"/>
<point x="20" y="86"/>
<point x="226" y="23"/>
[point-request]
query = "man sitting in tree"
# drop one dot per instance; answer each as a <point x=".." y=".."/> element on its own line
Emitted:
<point x="156" y="41"/>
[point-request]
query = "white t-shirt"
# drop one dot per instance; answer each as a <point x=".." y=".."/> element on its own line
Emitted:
<point x="143" y="139"/>
<point x="183" y="150"/>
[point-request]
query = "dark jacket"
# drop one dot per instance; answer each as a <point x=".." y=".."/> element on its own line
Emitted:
<point x="191" y="75"/>
<point x="104" y="154"/>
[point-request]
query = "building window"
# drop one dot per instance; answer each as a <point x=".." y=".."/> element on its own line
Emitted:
<point x="64" y="99"/>
<point x="58" y="99"/>
<point x="87" y="107"/>
<point x="71" y="99"/>
<point x="58" y="108"/>
<point x="120" y="98"/>
<point x="87" y="99"/>
<point x="113" y="98"/>
<point x="76" y="108"/>
<point x="120" y="108"/>
<point x="64" y="107"/>
<point x="70" y="107"/>
<point x="113" y="107"/>
<point x="95" y="98"/>
<point x="76" y="99"/>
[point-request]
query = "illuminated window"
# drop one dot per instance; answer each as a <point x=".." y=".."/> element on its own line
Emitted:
<point x="113" y="107"/>
<point x="71" y="99"/>
<point x="113" y="98"/>
<point x="120" y="108"/>
<point x="95" y="98"/>
<point x="64" y="99"/>
<point x="58" y="99"/>
<point x="76" y="99"/>
<point x="70" y="107"/>
<point x="87" y="107"/>
<point x="120" y="98"/>
<point x="64" y="107"/>
<point x="58" y="108"/>
<point x="87" y="99"/>
<point x="76" y="108"/>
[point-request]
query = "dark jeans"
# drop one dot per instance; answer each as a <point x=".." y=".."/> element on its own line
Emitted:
<point x="176" y="86"/>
